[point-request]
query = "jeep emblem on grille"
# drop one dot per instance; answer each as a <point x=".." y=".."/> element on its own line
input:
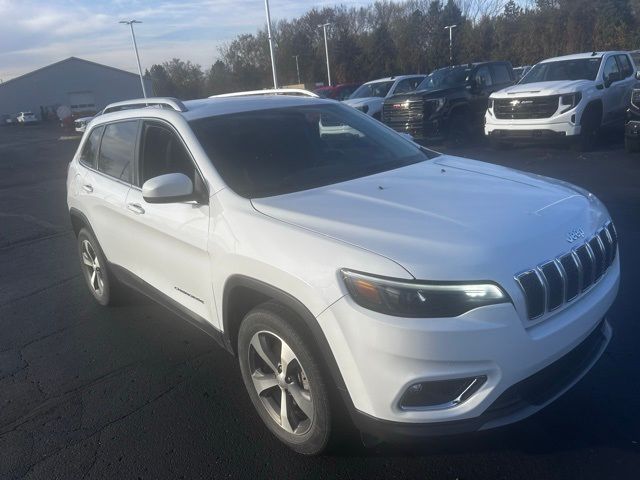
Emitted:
<point x="575" y="234"/>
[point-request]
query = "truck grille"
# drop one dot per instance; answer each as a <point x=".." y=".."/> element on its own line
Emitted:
<point x="525" y="108"/>
<point x="403" y="116"/>
<point x="561" y="280"/>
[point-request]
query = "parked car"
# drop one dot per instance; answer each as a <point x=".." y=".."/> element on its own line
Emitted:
<point x="520" y="72"/>
<point x="632" y="125"/>
<point x="338" y="92"/>
<point x="369" y="97"/>
<point x="6" y="120"/>
<point x="568" y="97"/>
<point x="26" y="118"/>
<point x="422" y="293"/>
<point x="449" y="103"/>
<point x="80" y="124"/>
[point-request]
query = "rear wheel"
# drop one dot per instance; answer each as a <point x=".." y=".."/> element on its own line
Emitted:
<point x="102" y="284"/>
<point x="284" y="379"/>
<point x="459" y="128"/>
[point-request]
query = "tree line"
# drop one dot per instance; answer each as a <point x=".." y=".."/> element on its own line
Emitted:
<point x="392" y="38"/>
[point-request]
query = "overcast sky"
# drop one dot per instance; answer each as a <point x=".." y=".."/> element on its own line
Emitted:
<point x="35" y="33"/>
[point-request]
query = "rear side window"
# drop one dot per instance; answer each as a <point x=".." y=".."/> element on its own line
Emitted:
<point x="89" y="154"/>
<point x="501" y="74"/>
<point x="163" y="152"/>
<point x="118" y="149"/>
<point x="483" y="77"/>
<point x="625" y="66"/>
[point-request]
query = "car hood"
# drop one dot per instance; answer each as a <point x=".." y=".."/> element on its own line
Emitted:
<point x="84" y="119"/>
<point x="540" y="89"/>
<point x="423" y="94"/>
<point x="360" y="102"/>
<point x="448" y="218"/>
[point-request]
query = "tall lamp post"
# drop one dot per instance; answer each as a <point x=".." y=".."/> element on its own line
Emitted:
<point x="450" y="28"/>
<point x="326" y="49"/>
<point x="273" y="59"/>
<point x="297" y="68"/>
<point x="135" y="48"/>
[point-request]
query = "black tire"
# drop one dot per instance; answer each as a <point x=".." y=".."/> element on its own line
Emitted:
<point x="460" y="129"/>
<point x="261" y="325"/>
<point x="589" y="130"/>
<point x="110" y="292"/>
<point x="631" y="145"/>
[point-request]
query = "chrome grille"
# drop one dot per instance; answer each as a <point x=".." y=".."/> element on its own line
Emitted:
<point x="406" y="115"/>
<point x="561" y="280"/>
<point x="525" y="108"/>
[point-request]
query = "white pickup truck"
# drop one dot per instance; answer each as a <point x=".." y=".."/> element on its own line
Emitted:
<point x="564" y="97"/>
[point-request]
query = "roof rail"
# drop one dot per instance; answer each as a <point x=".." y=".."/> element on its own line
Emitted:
<point x="169" y="102"/>
<point x="270" y="91"/>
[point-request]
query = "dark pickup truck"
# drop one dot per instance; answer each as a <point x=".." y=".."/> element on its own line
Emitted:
<point x="450" y="103"/>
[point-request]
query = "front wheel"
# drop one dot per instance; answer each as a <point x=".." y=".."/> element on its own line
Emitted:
<point x="284" y="379"/>
<point x="589" y="131"/>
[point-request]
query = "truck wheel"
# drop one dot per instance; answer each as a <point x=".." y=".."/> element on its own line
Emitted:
<point x="631" y="145"/>
<point x="284" y="378"/>
<point x="460" y="128"/>
<point x="590" y="128"/>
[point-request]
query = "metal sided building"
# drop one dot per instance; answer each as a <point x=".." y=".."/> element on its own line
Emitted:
<point x="79" y="84"/>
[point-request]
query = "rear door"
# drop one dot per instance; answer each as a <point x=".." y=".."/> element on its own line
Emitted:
<point x="105" y="189"/>
<point x="483" y="87"/>
<point x="171" y="238"/>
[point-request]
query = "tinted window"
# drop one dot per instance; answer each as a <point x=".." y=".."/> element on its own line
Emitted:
<point x="296" y="148"/>
<point x="501" y="74"/>
<point x="117" y="150"/>
<point x="163" y="152"/>
<point x="408" y="85"/>
<point x="610" y="66"/>
<point x="625" y="66"/>
<point x="580" y="69"/>
<point x="89" y="153"/>
<point x="483" y="77"/>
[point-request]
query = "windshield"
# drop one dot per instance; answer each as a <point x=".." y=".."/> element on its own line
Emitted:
<point x="377" y="89"/>
<point x="323" y="92"/>
<point x="580" y="69"/>
<point x="276" y="151"/>
<point x="445" y="78"/>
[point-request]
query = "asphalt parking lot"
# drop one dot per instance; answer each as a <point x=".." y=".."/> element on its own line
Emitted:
<point x="133" y="392"/>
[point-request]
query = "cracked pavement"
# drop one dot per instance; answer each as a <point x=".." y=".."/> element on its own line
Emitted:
<point x="134" y="392"/>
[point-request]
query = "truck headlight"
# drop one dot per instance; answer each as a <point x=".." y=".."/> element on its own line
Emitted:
<point x="418" y="299"/>
<point x="569" y="101"/>
<point x="437" y="104"/>
<point x="635" y="97"/>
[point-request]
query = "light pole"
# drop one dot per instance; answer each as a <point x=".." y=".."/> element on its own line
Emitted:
<point x="450" y="28"/>
<point x="273" y="59"/>
<point x="326" y="49"/>
<point x="297" y="68"/>
<point x="135" y="48"/>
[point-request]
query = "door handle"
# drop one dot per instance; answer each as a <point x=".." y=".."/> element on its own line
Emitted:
<point x="87" y="188"/>
<point x="135" y="208"/>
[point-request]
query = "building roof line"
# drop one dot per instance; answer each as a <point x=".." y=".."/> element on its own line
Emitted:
<point x="25" y="75"/>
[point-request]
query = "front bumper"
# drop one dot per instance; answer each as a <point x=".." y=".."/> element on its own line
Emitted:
<point x="560" y="127"/>
<point x="380" y="356"/>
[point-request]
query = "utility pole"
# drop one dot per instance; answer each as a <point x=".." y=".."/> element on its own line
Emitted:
<point x="135" y="48"/>
<point x="450" y="28"/>
<point x="273" y="59"/>
<point x="297" y="68"/>
<point x="326" y="49"/>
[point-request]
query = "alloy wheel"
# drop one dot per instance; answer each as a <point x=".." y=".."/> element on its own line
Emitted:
<point x="281" y="383"/>
<point x="92" y="265"/>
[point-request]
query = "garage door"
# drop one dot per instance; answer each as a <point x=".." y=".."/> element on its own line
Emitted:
<point x="82" y="102"/>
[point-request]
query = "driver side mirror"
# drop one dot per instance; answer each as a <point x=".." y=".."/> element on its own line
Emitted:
<point x="611" y="78"/>
<point x="637" y="75"/>
<point x="169" y="188"/>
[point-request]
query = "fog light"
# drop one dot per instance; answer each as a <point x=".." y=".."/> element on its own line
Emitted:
<point x="441" y="393"/>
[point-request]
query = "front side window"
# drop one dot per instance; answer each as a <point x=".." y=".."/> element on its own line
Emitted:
<point x="579" y="69"/>
<point x="162" y="152"/>
<point x="117" y="150"/>
<point x="625" y="66"/>
<point x="89" y="154"/>
<point x="377" y="89"/>
<point x="277" y="151"/>
<point x="610" y="66"/>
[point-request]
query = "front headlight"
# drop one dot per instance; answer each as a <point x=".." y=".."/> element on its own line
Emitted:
<point x="437" y="103"/>
<point x="403" y="298"/>
<point x="635" y="97"/>
<point x="569" y="101"/>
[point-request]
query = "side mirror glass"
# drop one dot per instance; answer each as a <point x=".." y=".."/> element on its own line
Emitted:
<point x="169" y="188"/>
<point x="638" y="75"/>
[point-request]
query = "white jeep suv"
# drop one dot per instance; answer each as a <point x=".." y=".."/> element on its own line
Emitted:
<point x="348" y="269"/>
<point x="563" y="97"/>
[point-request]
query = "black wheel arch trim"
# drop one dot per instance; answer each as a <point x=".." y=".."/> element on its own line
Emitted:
<point x="74" y="212"/>
<point x="297" y="307"/>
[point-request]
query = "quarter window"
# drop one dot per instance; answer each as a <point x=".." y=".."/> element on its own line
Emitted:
<point x="89" y="153"/>
<point x="163" y="152"/>
<point x="118" y="149"/>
